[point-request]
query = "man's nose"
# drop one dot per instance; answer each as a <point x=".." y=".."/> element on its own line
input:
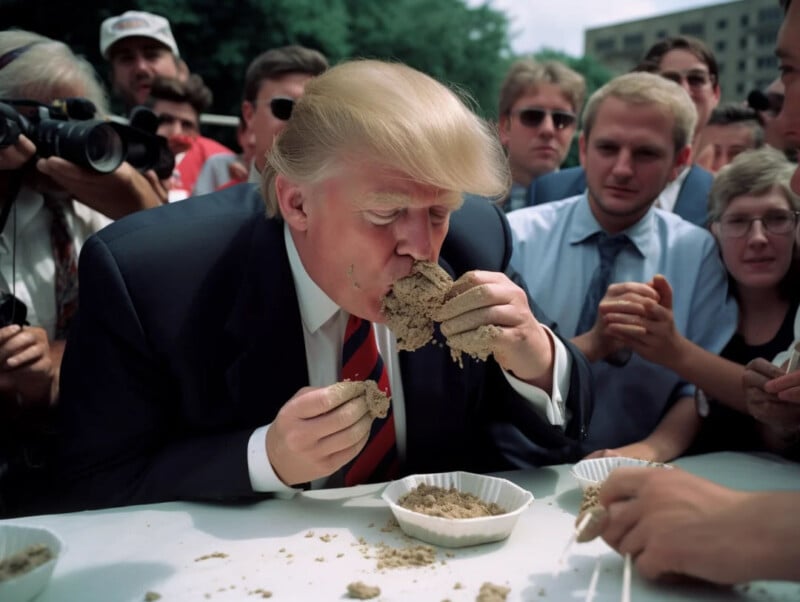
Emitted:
<point x="416" y="235"/>
<point x="623" y="166"/>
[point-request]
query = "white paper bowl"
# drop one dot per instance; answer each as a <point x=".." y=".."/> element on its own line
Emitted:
<point x="14" y="539"/>
<point x="594" y="471"/>
<point x="459" y="532"/>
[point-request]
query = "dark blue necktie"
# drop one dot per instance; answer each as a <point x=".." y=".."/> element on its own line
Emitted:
<point x="608" y="247"/>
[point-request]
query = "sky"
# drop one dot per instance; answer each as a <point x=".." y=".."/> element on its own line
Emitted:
<point x="560" y="24"/>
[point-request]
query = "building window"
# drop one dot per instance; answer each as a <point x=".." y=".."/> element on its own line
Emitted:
<point x="742" y="43"/>
<point x="720" y="46"/>
<point x="772" y="14"/>
<point x="720" y="68"/>
<point x="744" y="20"/>
<point x="605" y="45"/>
<point x="693" y="29"/>
<point x="742" y="65"/>
<point x="722" y="24"/>
<point x="633" y="41"/>
<point x="767" y="62"/>
<point x="740" y="87"/>
<point x="661" y="34"/>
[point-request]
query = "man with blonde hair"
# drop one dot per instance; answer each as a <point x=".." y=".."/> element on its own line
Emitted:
<point x="636" y="137"/>
<point x="538" y="109"/>
<point x="220" y="341"/>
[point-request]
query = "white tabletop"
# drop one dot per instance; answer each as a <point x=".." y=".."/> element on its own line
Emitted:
<point x="310" y="547"/>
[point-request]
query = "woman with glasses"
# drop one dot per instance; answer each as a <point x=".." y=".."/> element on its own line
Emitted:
<point x="753" y="214"/>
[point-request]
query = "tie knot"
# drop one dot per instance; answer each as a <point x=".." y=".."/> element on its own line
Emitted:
<point x="610" y="246"/>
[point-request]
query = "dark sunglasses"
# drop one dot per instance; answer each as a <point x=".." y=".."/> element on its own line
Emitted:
<point x="281" y="107"/>
<point x="533" y="118"/>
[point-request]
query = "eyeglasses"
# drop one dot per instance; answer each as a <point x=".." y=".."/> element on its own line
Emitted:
<point x="694" y="79"/>
<point x="533" y="118"/>
<point x="775" y="222"/>
<point x="281" y="107"/>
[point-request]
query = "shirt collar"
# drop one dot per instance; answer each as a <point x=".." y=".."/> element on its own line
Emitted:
<point x="316" y="308"/>
<point x="585" y="226"/>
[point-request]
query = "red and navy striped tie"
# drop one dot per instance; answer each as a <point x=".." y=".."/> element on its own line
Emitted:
<point x="361" y="361"/>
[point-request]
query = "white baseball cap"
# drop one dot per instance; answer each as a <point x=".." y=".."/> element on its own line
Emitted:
<point x="135" y="23"/>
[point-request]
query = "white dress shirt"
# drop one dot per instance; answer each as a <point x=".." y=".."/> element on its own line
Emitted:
<point x="323" y="332"/>
<point x="27" y="268"/>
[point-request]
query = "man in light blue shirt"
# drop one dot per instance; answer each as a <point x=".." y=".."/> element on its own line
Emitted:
<point x="636" y="138"/>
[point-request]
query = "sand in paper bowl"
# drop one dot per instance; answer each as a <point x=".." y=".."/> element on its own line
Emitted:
<point x="377" y="401"/>
<point x="412" y="306"/>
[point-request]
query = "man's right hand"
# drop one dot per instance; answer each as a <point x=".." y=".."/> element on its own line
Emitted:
<point x="770" y="395"/>
<point x="316" y="432"/>
<point x="27" y="370"/>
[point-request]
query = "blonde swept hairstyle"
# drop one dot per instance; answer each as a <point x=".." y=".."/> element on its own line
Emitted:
<point x="392" y="115"/>
<point x="642" y="88"/>
<point x="752" y="173"/>
<point x="44" y="68"/>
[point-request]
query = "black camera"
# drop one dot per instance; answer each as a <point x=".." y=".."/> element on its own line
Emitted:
<point x="12" y="310"/>
<point x="66" y="129"/>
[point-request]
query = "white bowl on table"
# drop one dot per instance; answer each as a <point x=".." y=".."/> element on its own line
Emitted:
<point x="592" y="472"/>
<point x="15" y="539"/>
<point x="459" y="532"/>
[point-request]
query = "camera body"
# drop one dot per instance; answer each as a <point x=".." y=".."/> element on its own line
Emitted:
<point x="65" y="129"/>
<point x="12" y="310"/>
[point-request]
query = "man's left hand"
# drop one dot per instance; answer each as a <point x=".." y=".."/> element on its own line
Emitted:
<point x="520" y="344"/>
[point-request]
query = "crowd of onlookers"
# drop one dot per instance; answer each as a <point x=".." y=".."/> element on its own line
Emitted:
<point x="667" y="261"/>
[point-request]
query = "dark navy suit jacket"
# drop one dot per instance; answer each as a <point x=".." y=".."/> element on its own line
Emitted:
<point x="189" y="337"/>
<point x="691" y="204"/>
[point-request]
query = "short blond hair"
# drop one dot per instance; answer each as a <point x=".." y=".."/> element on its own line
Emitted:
<point x="647" y="88"/>
<point x="526" y="75"/>
<point x="753" y="172"/>
<point x="395" y="116"/>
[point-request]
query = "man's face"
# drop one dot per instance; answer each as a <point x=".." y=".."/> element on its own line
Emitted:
<point x="261" y="120"/>
<point x="719" y="144"/>
<point x="760" y="258"/>
<point x="135" y="62"/>
<point x="359" y="231"/>
<point x="534" y="150"/>
<point x="178" y="122"/>
<point x="788" y="52"/>
<point x="688" y="71"/>
<point x="629" y="157"/>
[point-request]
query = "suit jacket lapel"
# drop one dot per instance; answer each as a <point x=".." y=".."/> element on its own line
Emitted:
<point x="265" y="325"/>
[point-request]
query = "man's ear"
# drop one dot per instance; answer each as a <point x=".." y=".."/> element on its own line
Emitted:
<point x="504" y="128"/>
<point x="292" y="198"/>
<point x="247" y="111"/>
<point x="682" y="158"/>
<point x="582" y="142"/>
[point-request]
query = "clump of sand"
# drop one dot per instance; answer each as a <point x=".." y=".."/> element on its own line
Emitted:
<point x="415" y="303"/>
<point x="447" y="503"/>
<point x="361" y="591"/>
<point x="377" y="400"/>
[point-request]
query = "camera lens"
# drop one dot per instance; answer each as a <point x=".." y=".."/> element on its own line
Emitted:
<point x="104" y="148"/>
<point x="93" y="144"/>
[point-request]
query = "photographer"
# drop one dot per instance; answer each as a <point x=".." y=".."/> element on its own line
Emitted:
<point x="49" y="207"/>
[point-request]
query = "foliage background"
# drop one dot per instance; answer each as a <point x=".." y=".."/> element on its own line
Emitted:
<point x="468" y="48"/>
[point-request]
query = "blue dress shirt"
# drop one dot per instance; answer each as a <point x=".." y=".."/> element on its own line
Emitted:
<point x="555" y="252"/>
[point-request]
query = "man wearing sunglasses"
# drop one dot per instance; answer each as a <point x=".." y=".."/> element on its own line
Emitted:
<point x="539" y="104"/>
<point x="689" y="63"/>
<point x="273" y="82"/>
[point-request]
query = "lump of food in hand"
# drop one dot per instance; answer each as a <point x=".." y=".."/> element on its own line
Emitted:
<point x="590" y="505"/>
<point x="377" y="400"/>
<point x="24" y="561"/>
<point x="447" y="503"/>
<point x="410" y="304"/>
